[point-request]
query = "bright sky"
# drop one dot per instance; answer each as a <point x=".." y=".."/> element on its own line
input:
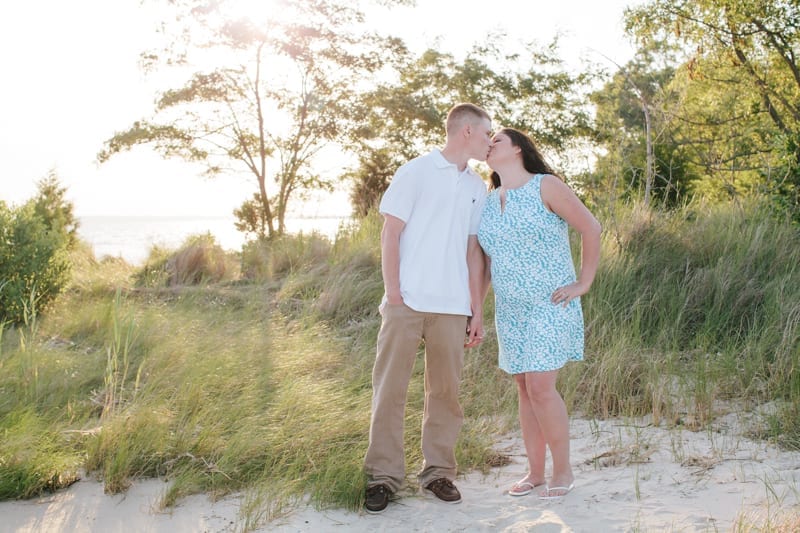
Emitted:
<point x="71" y="79"/>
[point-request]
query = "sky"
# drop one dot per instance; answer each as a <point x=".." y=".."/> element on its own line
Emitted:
<point x="71" y="79"/>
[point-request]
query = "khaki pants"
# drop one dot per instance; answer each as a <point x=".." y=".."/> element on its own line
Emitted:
<point x="401" y="331"/>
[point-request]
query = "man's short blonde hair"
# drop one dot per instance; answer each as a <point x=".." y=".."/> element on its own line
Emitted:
<point x="460" y="113"/>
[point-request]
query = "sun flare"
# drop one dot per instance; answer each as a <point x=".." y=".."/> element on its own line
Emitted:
<point x="256" y="11"/>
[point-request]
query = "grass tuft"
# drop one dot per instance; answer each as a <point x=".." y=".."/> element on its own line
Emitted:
<point x="199" y="260"/>
<point x="34" y="457"/>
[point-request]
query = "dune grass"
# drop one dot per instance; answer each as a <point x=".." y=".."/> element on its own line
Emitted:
<point x="259" y="382"/>
<point x="691" y="308"/>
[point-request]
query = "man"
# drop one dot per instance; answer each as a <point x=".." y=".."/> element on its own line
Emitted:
<point x="432" y="270"/>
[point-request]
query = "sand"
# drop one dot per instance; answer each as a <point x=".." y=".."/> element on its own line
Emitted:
<point x="629" y="477"/>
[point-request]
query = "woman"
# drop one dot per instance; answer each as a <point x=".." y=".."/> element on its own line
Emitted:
<point x="539" y="322"/>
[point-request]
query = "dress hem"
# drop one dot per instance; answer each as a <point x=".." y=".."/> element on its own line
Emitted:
<point x="571" y="359"/>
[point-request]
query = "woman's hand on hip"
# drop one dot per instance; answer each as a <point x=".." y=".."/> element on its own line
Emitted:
<point x="564" y="295"/>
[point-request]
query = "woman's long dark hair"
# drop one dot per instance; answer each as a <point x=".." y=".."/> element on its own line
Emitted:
<point x="532" y="160"/>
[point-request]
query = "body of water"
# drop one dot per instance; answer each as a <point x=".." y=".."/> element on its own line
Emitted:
<point x="132" y="237"/>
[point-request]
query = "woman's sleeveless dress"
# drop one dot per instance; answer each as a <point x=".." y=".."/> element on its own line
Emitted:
<point x="531" y="258"/>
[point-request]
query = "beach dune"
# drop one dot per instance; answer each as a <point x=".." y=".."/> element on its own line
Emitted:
<point x="630" y="476"/>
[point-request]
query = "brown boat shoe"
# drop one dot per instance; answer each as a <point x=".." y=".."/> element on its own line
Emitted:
<point x="444" y="489"/>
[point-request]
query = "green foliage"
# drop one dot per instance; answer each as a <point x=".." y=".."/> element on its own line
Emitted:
<point x="270" y="95"/>
<point x="51" y="206"/>
<point x="371" y="178"/>
<point x="269" y="260"/>
<point x="265" y="387"/>
<point x="38" y="400"/>
<point x="737" y="82"/>
<point x="531" y="90"/>
<point x="34" y="458"/>
<point x="634" y="95"/>
<point x="251" y="217"/>
<point x="34" y="260"/>
<point x="354" y="283"/>
<point x="783" y="426"/>
<point x="690" y="307"/>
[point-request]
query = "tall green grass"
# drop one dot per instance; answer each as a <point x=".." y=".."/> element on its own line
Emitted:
<point x="261" y="383"/>
<point x="692" y="307"/>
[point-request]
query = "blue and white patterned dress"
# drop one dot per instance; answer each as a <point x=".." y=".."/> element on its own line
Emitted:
<point x="531" y="258"/>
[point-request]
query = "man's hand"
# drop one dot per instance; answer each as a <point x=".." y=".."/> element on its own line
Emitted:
<point x="474" y="331"/>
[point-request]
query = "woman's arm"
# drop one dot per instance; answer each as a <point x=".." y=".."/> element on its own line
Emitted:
<point x="562" y="201"/>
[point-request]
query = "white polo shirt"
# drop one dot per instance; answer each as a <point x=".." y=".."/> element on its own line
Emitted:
<point x="441" y="207"/>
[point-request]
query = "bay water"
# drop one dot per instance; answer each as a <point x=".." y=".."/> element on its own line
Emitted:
<point x="132" y="237"/>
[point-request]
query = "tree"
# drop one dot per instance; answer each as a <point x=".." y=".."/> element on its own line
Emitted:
<point x="371" y="178"/>
<point x="635" y="121"/>
<point x="740" y="78"/>
<point x="279" y="92"/>
<point x="51" y="206"/>
<point x="34" y="243"/>
<point x="530" y="90"/>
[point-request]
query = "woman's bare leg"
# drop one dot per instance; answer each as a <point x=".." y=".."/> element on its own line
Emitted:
<point x="552" y="423"/>
<point x="535" y="445"/>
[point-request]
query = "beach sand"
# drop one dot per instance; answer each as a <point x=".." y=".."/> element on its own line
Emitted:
<point x="630" y="476"/>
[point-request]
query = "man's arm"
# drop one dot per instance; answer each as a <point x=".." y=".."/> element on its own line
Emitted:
<point x="390" y="258"/>
<point x="476" y="264"/>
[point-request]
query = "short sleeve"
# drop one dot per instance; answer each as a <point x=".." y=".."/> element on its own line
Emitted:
<point x="398" y="200"/>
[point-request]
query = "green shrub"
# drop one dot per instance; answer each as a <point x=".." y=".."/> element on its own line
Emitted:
<point x="34" y="263"/>
<point x="34" y="243"/>
<point x="51" y="206"/>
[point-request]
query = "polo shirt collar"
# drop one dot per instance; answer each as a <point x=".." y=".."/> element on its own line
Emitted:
<point x="441" y="162"/>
